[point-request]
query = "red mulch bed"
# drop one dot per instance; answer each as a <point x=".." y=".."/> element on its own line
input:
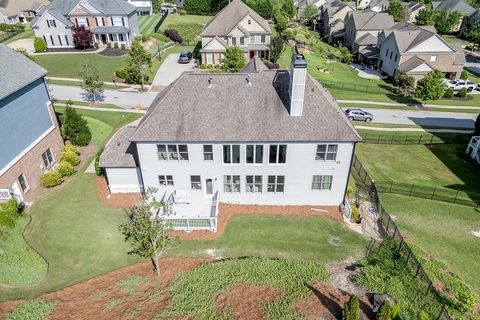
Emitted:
<point x="244" y="301"/>
<point x="116" y="200"/>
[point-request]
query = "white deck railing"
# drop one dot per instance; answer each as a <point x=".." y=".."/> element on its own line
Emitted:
<point x="473" y="148"/>
<point x="5" y="194"/>
<point x="346" y="209"/>
<point x="189" y="224"/>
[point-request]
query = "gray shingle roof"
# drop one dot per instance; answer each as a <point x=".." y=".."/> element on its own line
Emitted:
<point x="53" y="12"/>
<point x="17" y="71"/>
<point x="229" y="17"/>
<point x="233" y="111"/>
<point x="412" y="63"/>
<point x="366" y="39"/>
<point x="111" y="29"/>
<point x="119" y="152"/>
<point x="370" y="20"/>
<point x="413" y="6"/>
<point x="14" y="7"/>
<point x="453" y="5"/>
<point x="108" y="7"/>
<point x="255" y="65"/>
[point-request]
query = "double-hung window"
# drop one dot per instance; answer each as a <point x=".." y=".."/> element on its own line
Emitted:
<point x="23" y="183"/>
<point x="51" y="23"/>
<point x="254" y="153"/>
<point x="263" y="38"/>
<point x="82" y="22"/>
<point x="99" y="21"/>
<point x="322" y="182"/>
<point x="208" y="152"/>
<point x="231" y="153"/>
<point x="47" y="158"/>
<point x="165" y="180"/>
<point x="277" y="153"/>
<point x="253" y="184"/>
<point x="242" y="41"/>
<point x="196" y="182"/>
<point x="326" y="152"/>
<point x="117" y="21"/>
<point x="234" y="41"/>
<point x="252" y="39"/>
<point x="276" y="184"/>
<point x="231" y="184"/>
<point x="172" y="151"/>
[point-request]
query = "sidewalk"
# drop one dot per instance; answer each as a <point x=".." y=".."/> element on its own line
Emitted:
<point x="101" y="109"/>
<point x="416" y="105"/>
<point x="125" y="87"/>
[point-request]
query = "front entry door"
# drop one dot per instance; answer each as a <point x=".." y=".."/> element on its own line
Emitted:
<point x="209" y="186"/>
<point x="104" y="39"/>
<point x="252" y="54"/>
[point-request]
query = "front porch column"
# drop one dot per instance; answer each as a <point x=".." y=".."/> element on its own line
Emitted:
<point x="128" y="40"/>
<point x="118" y="40"/>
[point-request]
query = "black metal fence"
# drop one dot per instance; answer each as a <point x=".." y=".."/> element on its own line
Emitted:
<point x="415" y="139"/>
<point x="415" y="190"/>
<point x="8" y="35"/>
<point x="403" y="248"/>
<point x="359" y="87"/>
<point x="159" y="23"/>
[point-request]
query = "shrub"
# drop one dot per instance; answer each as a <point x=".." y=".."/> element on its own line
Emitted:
<point x="32" y="310"/>
<point x="75" y="128"/>
<point x="99" y="170"/>
<point x="8" y="214"/>
<point x="385" y="311"/>
<point x="145" y="37"/>
<point x="160" y="37"/>
<point x="39" y="44"/>
<point x="51" y="179"/>
<point x="187" y="31"/>
<point x="271" y="65"/>
<point x="109" y="45"/>
<point x="82" y="37"/>
<point x="351" y="309"/>
<point x="173" y="35"/>
<point x="14" y="27"/>
<point x="349" y="190"/>
<point x="71" y="148"/>
<point x="66" y="169"/>
<point x="462" y="93"/>
<point x="70" y="157"/>
<point x="355" y="213"/>
<point x="122" y="46"/>
<point x="300" y="38"/>
<point x="121" y="73"/>
<point x="464" y="75"/>
<point x="115" y="45"/>
<point x="449" y="93"/>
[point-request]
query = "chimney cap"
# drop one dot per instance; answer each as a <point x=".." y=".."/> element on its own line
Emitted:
<point x="299" y="61"/>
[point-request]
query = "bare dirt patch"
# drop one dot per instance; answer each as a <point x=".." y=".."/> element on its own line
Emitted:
<point x="327" y="302"/>
<point x="116" y="200"/>
<point x="476" y="233"/>
<point x="226" y="211"/>
<point x="89" y="299"/>
<point x="244" y="301"/>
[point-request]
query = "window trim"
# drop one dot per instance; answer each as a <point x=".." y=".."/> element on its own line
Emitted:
<point x="166" y="154"/>
<point x="254" y="163"/>
<point x="326" y="152"/>
<point x="165" y="178"/>
<point x="254" y="184"/>
<point x="263" y="38"/>
<point x="50" y="162"/>
<point x="276" y="163"/>
<point x="208" y="153"/>
<point x="232" y="184"/>
<point x="199" y="182"/>
<point x="231" y="154"/>
<point x="322" y="182"/>
<point x="27" y="185"/>
<point x="49" y="24"/>
<point x="275" y="184"/>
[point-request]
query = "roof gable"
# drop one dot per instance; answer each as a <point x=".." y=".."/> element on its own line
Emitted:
<point x="430" y="44"/>
<point x="215" y="44"/>
<point x="229" y="17"/>
<point x="84" y="8"/>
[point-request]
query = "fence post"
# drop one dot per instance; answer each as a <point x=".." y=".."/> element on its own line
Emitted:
<point x="456" y="195"/>
<point x="408" y="255"/>
<point x="411" y="190"/>
<point x="433" y="193"/>
<point x="391" y="185"/>
<point x="420" y="139"/>
<point x="395" y="232"/>
<point x="431" y="139"/>
<point x="388" y="223"/>
<point x="441" y="312"/>
<point x="400" y="245"/>
<point x="406" y="137"/>
<point x="429" y="287"/>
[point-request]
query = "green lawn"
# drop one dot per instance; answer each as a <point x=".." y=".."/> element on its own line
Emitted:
<point x="442" y="230"/>
<point x="28" y="33"/>
<point x="279" y="237"/>
<point x="285" y="59"/>
<point x="438" y="166"/>
<point x="147" y="23"/>
<point x="178" y="18"/>
<point x="78" y="83"/>
<point x="70" y="65"/>
<point x="454" y="40"/>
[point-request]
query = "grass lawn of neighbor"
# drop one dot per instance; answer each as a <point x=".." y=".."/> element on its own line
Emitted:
<point x="435" y="166"/>
<point x="173" y="19"/>
<point x="445" y="231"/>
<point x="28" y="33"/>
<point x="70" y="65"/>
<point x="147" y="23"/>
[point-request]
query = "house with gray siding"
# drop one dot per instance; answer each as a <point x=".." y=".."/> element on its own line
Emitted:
<point x="30" y="138"/>
<point x="257" y="137"/>
<point x="111" y="22"/>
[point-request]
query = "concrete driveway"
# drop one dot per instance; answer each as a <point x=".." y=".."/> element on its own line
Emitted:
<point x="170" y="70"/>
<point x="26" y="44"/>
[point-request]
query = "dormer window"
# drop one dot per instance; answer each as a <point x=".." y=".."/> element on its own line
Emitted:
<point x="51" y="23"/>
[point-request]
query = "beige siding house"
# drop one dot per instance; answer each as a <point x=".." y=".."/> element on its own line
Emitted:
<point x="412" y="9"/>
<point x="359" y="23"/>
<point x="417" y="51"/>
<point x="235" y="25"/>
<point x="332" y="20"/>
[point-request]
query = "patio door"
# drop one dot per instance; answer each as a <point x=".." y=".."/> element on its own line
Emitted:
<point x="209" y="186"/>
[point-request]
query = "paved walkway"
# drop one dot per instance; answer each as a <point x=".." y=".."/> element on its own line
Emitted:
<point x="170" y="70"/>
<point x="102" y="109"/>
<point x="417" y="105"/>
<point x="26" y="44"/>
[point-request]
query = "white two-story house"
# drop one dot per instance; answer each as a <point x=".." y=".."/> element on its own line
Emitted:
<point x="235" y="25"/>
<point x="110" y="21"/>
<point x="266" y="137"/>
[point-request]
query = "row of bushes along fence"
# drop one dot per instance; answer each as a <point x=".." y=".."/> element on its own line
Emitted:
<point x="7" y="35"/>
<point x="403" y="248"/>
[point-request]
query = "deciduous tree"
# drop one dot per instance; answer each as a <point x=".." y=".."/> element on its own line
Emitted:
<point x="234" y="59"/>
<point x="430" y="87"/>
<point x="147" y="231"/>
<point x="91" y="82"/>
<point x="396" y="10"/>
<point x="311" y="12"/>
<point x="288" y="7"/>
<point x="446" y="20"/>
<point x="405" y="82"/>
<point x="139" y="61"/>
<point x="426" y="17"/>
<point x="472" y="33"/>
<point x="82" y="38"/>
<point x="276" y="48"/>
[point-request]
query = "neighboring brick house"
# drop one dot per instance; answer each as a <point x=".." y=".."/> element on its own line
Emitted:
<point x="417" y="51"/>
<point x="235" y="25"/>
<point x="111" y="21"/>
<point x="258" y="137"/>
<point x="332" y="20"/>
<point x="359" y="23"/>
<point x="14" y="11"/>
<point x="30" y="138"/>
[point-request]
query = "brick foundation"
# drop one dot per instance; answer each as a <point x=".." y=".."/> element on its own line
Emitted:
<point x="31" y="164"/>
